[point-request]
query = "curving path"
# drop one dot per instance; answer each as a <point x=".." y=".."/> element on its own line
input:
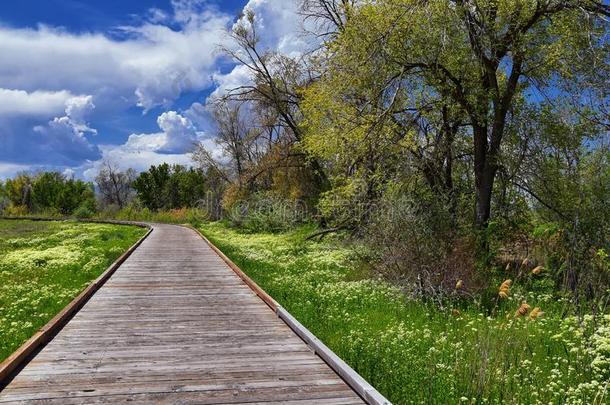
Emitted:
<point x="175" y="324"/>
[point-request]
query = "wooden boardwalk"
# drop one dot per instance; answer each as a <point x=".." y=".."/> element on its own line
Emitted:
<point x="175" y="324"/>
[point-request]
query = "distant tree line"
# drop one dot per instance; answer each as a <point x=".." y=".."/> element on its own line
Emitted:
<point x="167" y="187"/>
<point x="160" y="188"/>
<point x="47" y="193"/>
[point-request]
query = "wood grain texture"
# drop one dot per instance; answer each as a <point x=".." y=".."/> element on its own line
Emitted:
<point x="174" y="324"/>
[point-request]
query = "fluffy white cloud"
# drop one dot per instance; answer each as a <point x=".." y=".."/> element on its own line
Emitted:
<point x="127" y="157"/>
<point x="77" y="108"/>
<point x="17" y="103"/>
<point x="180" y="133"/>
<point x="240" y="75"/>
<point x="62" y="141"/>
<point x="178" y="136"/>
<point x="144" y="142"/>
<point x="69" y="173"/>
<point x="281" y="26"/>
<point x="10" y="169"/>
<point x="149" y="64"/>
<point x="65" y="137"/>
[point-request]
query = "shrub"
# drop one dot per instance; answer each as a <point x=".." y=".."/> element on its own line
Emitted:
<point x="196" y="217"/>
<point x="134" y="212"/>
<point x="266" y="212"/>
<point x="413" y="243"/>
<point x="83" y="211"/>
<point x="16" y="211"/>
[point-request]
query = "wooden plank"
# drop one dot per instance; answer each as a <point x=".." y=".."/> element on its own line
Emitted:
<point x="236" y="394"/>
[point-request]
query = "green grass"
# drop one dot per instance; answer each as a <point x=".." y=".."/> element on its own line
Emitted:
<point x="418" y="353"/>
<point x="45" y="264"/>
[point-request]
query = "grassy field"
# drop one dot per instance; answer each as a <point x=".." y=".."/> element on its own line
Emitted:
<point x="417" y="353"/>
<point x="44" y="265"/>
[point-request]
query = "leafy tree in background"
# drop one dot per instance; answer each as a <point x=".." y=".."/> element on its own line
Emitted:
<point x="48" y="190"/>
<point x="151" y="186"/>
<point x="53" y="192"/>
<point x="3" y="197"/>
<point x="167" y="187"/>
<point x="76" y="194"/>
<point x="19" y="190"/>
<point x="186" y="187"/>
<point x="49" y="193"/>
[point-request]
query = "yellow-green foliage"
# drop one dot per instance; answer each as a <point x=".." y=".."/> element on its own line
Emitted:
<point x="416" y="353"/>
<point x="44" y="265"/>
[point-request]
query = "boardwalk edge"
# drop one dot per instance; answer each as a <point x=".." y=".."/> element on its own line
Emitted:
<point x="22" y="355"/>
<point x="351" y="377"/>
<point x="366" y="391"/>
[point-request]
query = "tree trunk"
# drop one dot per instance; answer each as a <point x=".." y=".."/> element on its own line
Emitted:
<point x="485" y="169"/>
<point x="319" y="175"/>
<point x="450" y="130"/>
<point x="484" y="180"/>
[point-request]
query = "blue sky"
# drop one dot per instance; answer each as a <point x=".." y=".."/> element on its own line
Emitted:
<point x="92" y="15"/>
<point x="83" y="81"/>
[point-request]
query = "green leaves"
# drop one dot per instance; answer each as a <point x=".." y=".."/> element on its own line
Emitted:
<point x="167" y="187"/>
<point x="50" y="193"/>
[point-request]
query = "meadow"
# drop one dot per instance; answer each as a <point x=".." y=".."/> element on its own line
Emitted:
<point x="45" y="264"/>
<point x="414" y="352"/>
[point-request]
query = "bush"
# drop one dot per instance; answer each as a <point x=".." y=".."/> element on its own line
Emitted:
<point x="266" y="212"/>
<point x="83" y="211"/>
<point x="413" y="242"/>
<point x="196" y="217"/>
<point x="16" y="211"/>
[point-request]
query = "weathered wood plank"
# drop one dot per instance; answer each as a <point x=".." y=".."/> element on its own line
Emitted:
<point x="311" y="393"/>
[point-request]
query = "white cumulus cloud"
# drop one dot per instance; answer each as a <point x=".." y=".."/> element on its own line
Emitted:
<point x="180" y="133"/>
<point x="150" y="64"/>
<point x="178" y="136"/>
<point x="18" y="103"/>
<point x="66" y="135"/>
